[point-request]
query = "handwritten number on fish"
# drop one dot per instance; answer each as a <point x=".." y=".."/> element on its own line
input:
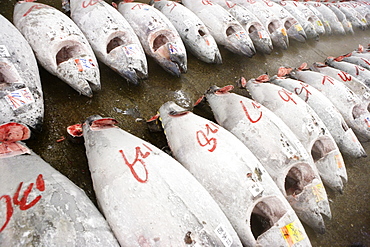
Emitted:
<point x="205" y="139"/>
<point x="37" y="6"/>
<point x="299" y="91"/>
<point x="286" y="95"/>
<point x="207" y="2"/>
<point x="327" y="79"/>
<point x="139" y="157"/>
<point x="90" y="3"/>
<point x="358" y="69"/>
<point x="256" y="106"/>
<point x="344" y="76"/>
<point x="22" y="203"/>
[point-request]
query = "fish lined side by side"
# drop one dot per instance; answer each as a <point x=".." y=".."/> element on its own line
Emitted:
<point x="112" y="38"/>
<point x="157" y="35"/>
<point x="347" y="25"/>
<point x="21" y="95"/>
<point x="147" y="197"/>
<point x="232" y="175"/>
<point x="68" y="55"/>
<point x="192" y="30"/>
<point x="39" y="205"/>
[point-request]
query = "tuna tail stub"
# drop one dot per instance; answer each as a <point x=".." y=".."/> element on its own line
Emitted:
<point x="10" y="135"/>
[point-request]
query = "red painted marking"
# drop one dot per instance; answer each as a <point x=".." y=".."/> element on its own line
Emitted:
<point x="304" y="88"/>
<point x="90" y="3"/>
<point x="268" y="3"/>
<point x="327" y="78"/>
<point x="207" y="2"/>
<point x="230" y="4"/>
<point x="169" y="4"/>
<point x="203" y="138"/>
<point x="365" y="60"/>
<point x="251" y="1"/>
<point x="37" y="6"/>
<point x="9" y="210"/>
<point x="139" y="5"/>
<point x="344" y="76"/>
<point x="22" y="203"/>
<point x="358" y="69"/>
<point x="256" y="106"/>
<point x="286" y="95"/>
<point x="138" y="158"/>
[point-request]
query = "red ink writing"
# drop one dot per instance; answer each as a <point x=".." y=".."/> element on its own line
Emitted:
<point x="327" y="79"/>
<point x="173" y="4"/>
<point x="358" y="69"/>
<point x="256" y="106"/>
<point x="37" y="6"/>
<point x="230" y="4"/>
<point x="90" y="3"/>
<point x="22" y="203"/>
<point x="207" y="2"/>
<point x="139" y="157"/>
<point x="204" y="138"/>
<point x="344" y="76"/>
<point x="138" y="6"/>
<point x="286" y="95"/>
<point x="304" y="88"/>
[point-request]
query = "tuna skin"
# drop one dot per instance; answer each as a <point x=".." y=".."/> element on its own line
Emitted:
<point x="192" y="30"/>
<point x="39" y="206"/>
<point x="147" y="196"/>
<point x="230" y="172"/>
<point x="278" y="150"/>
<point x="20" y="72"/>
<point x="112" y="38"/>
<point x="69" y="55"/>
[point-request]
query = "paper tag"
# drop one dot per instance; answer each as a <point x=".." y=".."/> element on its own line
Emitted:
<point x="4" y="51"/>
<point x="173" y="48"/>
<point x="292" y="233"/>
<point x="223" y="235"/>
<point x="319" y="192"/>
<point x="83" y="64"/>
<point x="19" y="98"/>
<point x="339" y="160"/>
<point x="263" y="34"/>
<point x="256" y="189"/>
<point x="283" y="31"/>
<point x="366" y="95"/>
<point x="319" y="23"/>
<point x="298" y="27"/>
<point x="240" y="35"/>
<point x="131" y="50"/>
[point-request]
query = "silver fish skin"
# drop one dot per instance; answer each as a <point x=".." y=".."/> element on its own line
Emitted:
<point x="195" y="35"/>
<point x="363" y="8"/>
<point x="271" y="22"/>
<point x="343" y="135"/>
<point x="225" y="29"/>
<point x="294" y="29"/>
<point x="361" y="61"/>
<point x="361" y="52"/>
<point x="335" y="25"/>
<point x="355" y="70"/>
<point x="356" y="85"/>
<point x="111" y="37"/>
<point x="278" y="150"/>
<point x="41" y="207"/>
<point x="324" y="21"/>
<point x="257" y="31"/>
<point x="69" y="55"/>
<point x="312" y="17"/>
<point x="357" y="20"/>
<point x="147" y="197"/>
<point x="307" y="22"/>
<point x="157" y="35"/>
<point x="232" y="175"/>
<point x="354" y="111"/>
<point x="20" y="76"/>
<point x="347" y="25"/>
<point x="307" y="126"/>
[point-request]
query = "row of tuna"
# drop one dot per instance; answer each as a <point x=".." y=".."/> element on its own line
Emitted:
<point x="239" y="191"/>
<point x="122" y="39"/>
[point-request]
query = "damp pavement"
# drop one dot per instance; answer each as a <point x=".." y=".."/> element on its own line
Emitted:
<point x="133" y="105"/>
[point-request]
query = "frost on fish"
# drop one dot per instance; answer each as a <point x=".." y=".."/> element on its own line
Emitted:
<point x="278" y="150"/>
<point x="147" y="197"/>
<point x="192" y="30"/>
<point x="68" y="55"/>
<point x="354" y="111"/>
<point x="272" y="23"/>
<point x="21" y="96"/>
<point x="356" y="18"/>
<point x="329" y="114"/>
<point x="232" y="175"/>
<point x="307" y="126"/>
<point x="38" y="205"/>
<point x="112" y="38"/>
<point x="347" y="25"/>
<point x="157" y="35"/>
<point x="256" y="30"/>
<point x="225" y="29"/>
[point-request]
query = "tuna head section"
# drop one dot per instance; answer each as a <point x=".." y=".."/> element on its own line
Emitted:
<point x="221" y="163"/>
<point x="112" y="38"/>
<point x="140" y="190"/>
<point x="69" y="55"/>
<point x="192" y="30"/>
<point x="278" y="150"/>
<point x="157" y="35"/>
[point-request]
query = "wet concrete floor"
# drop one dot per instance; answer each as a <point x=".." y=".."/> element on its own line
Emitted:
<point x="133" y="105"/>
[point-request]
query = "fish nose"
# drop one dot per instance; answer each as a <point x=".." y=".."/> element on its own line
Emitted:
<point x="297" y="33"/>
<point x="218" y="58"/>
<point x="131" y="76"/>
<point x="180" y="60"/>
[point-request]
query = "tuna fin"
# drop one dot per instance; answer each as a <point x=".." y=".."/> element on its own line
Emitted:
<point x="303" y="66"/>
<point x="10" y="135"/>
<point x="262" y="78"/>
<point x="242" y="82"/>
<point x="283" y="71"/>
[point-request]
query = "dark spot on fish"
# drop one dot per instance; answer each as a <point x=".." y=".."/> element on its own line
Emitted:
<point x="201" y="33"/>
<point x="187" y="238"/>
